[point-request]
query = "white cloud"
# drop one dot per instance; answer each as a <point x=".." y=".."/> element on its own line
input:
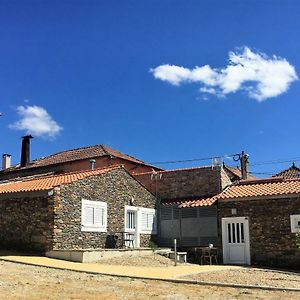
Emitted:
<point x="35" y="120"/>
<point x="260" y="76"/>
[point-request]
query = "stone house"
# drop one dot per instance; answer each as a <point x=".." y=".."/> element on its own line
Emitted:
<point x="257" y="221"/>
<point x="80" y="159"/>
<point x="193" y="226"/>
<point x="79" y="210"/>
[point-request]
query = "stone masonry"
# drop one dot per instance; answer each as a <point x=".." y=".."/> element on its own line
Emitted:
<point x="271" y="240"/>
<point x="116" y="188"/>
<point x="186" y="183"/>
<point x="43" y="223"/>
<point x="25" y="223"/>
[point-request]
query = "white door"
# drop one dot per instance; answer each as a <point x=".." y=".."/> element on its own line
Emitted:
<point x="131" y="226"/>
<point x="235" y="238"/>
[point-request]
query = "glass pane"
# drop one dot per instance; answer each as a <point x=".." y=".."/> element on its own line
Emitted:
<point x="233" y="233"/>
<point x="229" y="233"/>
<point x="242" y="233"/>
<point x="130" y="220"/>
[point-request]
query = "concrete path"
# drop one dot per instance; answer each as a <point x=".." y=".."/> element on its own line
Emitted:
<point x="167" y="273"/>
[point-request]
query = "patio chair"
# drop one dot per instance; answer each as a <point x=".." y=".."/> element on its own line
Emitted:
<point x="209" y="254"/>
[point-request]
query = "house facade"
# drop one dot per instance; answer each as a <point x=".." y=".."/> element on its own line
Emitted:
<point x="79" y="210"/>
<point x="258" y="220"/>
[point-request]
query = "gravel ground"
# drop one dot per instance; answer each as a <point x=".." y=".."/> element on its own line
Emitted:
<point x="141" y="260"/>
<point x="252" y="277"/>
<point x="19" y="281"/>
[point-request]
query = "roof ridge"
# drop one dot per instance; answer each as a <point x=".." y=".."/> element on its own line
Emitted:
<point x="67" y="150"/>
<point x="108" y="153"/>
<point x="104" y="149"/>
<point x="265" y="180"/>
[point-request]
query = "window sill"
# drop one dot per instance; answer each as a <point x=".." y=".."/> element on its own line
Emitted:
<point x="93" y="229"/>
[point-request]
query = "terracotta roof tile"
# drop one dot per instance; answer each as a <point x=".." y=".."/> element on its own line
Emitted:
<point x="49" y="182"/>
<point x="235" y="173"/>
<point x="77" y="154"/>
<point x="189" y="202"/>
<point x="291" y="172"/>
<point x="259" y="188"/>
<point x="199" y="202"/>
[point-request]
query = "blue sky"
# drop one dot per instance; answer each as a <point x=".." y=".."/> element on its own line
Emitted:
<point x="77" y="73"/>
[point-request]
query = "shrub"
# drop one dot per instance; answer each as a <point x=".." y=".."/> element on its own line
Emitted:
<point x="297" y="240"/>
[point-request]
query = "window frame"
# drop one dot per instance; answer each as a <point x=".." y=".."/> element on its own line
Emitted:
<point x="295" y="219"/>
<point x="93" y="227"/>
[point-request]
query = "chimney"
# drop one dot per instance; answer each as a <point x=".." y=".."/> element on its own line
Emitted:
<point x="6" y="161"/>
<point x="25" y="151"/>
<point x="92" y="164"/>
<point x="244" y="165"/>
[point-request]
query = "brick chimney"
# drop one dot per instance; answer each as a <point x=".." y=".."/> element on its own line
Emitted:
<point x="6" y="159"/>
<point x="25" y="151"/>
<point x="244" y="165"/>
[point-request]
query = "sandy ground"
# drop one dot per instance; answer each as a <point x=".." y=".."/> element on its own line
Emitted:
<point x="252" y="277"/>
<point x="19" y="281"/>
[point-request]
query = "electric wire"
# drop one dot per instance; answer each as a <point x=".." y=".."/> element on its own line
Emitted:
<point x="256" y="163"/>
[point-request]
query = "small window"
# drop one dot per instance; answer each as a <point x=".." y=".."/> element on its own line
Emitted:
<point x="131" y="219"/>
<point x="295" y="223"/>
<point x="93" y="216"/>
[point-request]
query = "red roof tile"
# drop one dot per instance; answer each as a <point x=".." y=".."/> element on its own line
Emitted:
<point x="49" y="182"/>
<point x="198" y="202"/>
<point x="235" y="173"/>
<point x="260" y="188"/>
<point x="291" y="172"/>
<point x="78" y="154"/>
<point x="188" y="202"/>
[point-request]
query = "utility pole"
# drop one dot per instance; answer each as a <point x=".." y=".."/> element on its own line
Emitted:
<point x="157" y="176"/>
<point x="244" y="162"/>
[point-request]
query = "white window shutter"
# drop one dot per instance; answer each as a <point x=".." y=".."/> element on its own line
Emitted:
<point x="99" y="216"/>
<point x="148" y="220"/>
<point x="144" y="220"/>
<point x="93" y="216"/>
<point x="89" y="215"/>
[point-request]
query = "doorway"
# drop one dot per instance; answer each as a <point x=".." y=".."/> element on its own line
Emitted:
<point x="236" y="241"/>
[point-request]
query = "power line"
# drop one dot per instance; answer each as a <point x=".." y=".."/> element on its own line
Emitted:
<point x="258" y="163"/>
<point x="261" y="173"/>
<point x="275" y="162"/>
<point x="193" y="159"/>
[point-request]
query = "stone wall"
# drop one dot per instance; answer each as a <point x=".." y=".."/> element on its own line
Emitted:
<point x="116" y="188"/>
<point x="25" y="223"/>
<point x="271" y="240"/>
<point x="194" y="182"/>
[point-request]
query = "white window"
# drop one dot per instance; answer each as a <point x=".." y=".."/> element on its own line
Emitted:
<point x="93" y="216"/>
<point x="148" y="220"/>
<point x="295" y="223"/>
<point x="131" y="219"/>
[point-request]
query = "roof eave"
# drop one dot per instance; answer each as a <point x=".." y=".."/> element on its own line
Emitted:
<point x="265" y="197"/>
